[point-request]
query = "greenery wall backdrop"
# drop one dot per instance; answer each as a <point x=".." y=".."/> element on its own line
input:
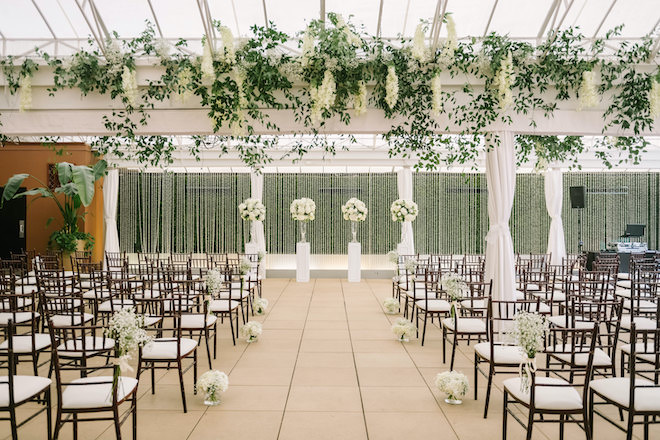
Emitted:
<point x="197" y="212"/>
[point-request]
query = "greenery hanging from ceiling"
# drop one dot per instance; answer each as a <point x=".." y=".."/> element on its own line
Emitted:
<point x="340" y="72"/>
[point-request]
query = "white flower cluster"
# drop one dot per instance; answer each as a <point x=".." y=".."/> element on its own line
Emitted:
<point x="212" y="381"/>
<point x="403" y="329"/>
<point x="393" y="257"/>
<point x="451" y="43"/>
<point x="214" y="281"/>
<point x="261" y="255"/>
<point x="360" y="100"/>
<point x="588" y="95"/>
<point x="323" y="97"/>
<point x="307" y="46"/>
<point x="129" y="86"/>
<point x="454" y="384"/>
<point x="25" y="93"/>
<point x="391" y="87"/>
<point x="228" y="52"/>
<point x="260" y="305"/>
<point x="184" y="81"/>
<point x="436" y="100"/>
<point x="351" y="37"/>
<point x="162" y="48"/>
<point x="354" y="210"/>
<point x="208" y="71"/>
<point x="503" y="81"/>
<point x="252" y="210"/>
<point x="654" y="98"/>
<point x="114" y="57"/>
<point x="419" y="50"/>
<point x="529" y="332"/>
<point x="410" y="265"/>
<point x="303" y="209"/>
<point x="454" y="285"/>
<point x="391" y="305"/>
<point x="251" y="330"/>
<point x="244" y="266"/>
<point x="404" y="210"/>
<point x="127" y="329"/>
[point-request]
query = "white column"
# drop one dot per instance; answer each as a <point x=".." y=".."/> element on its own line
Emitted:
<point x="302" y="262"/>
<point x="354" y="263"/>
<point x="405" y="187"/>
<point x="257" y="236"/>
<point x="554" y="194"/>
<point x="110" y="197"/>
<point x="501" y="178"/>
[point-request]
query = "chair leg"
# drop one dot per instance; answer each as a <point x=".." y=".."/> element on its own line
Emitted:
<point x="183" y="391"/>
<point x="504" y="414"/>
<point x="75" y="426"/>
<point x="58" y="424"/>
<point x="208" y="349"/>
<point x="646" y="427"/>
<point x="231" y="324"/>
<point x="134" y="416"/>
<point x="629" y="431"/>
<point x="424" y="330"/>
<point x="530" y="425"/>
<point x="589" y="417"/>
<point x="476" y="375"/>
<point x="14" y="425"/>
<point x="444" y="343"/>
<point x="115" y="415"/>
<point x="491" y="373"/>
<point x="561" y="426"/>
<point x="453" y="351"/>
<point x="49" y="415"/>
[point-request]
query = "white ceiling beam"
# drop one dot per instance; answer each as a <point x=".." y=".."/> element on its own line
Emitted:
<point x="554" y="7"/>
<point x="405" y="19"/>
<point x="380" y="18"/>
<point x="490" y="18"/>
<point x="263" y="4"/>
<point x="97" y="37"/>
<point x="155" y="17"/>
<point x="207" y="23"/>
<point x="43" y="17"/>
<point x="602" y="22"/>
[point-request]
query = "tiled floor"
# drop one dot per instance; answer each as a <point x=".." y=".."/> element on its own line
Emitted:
<point x="326" y="367"/>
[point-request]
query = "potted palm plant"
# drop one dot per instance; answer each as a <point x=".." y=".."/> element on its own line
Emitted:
<point x="76" y="190"/>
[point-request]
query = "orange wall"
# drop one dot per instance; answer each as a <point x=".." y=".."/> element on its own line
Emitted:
<point x="34" y="159"/>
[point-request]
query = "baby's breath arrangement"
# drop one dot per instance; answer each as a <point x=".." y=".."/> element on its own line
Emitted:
<point x="529" y="333"/>
<point x="404" y="329"/>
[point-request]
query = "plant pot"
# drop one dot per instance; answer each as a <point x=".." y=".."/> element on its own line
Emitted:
<point x="452" y="401"/>
<point x="212" y="399"/>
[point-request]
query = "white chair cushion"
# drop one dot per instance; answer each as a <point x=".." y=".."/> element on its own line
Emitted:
<point x="561" y="321"/>
<point x="235" y="294"/>
<point x="532" y="286"/>
<point x="166" y="348"/>
<point x="617" y="389"/>
<point x="623" y="276"/>
<point x="434" y="305"/>
<point x="18" y="317"/>
<point x="23" y="343"/>
<point x="520" y="295"/>
<point x="183" y="304"/>
<point x="546" y="397"/>
<point x="147" y="294"/>
<point x="556" y="296"/>
<point x="115" y="305"/>
<point x="466" y="325"/>
<point x="543" y="309"/>
<point x="152" y="320"/>
<point x="641" y="323"/>
<point x="643" y="305"/>
<point x="601" y="359"/>
<point x="643" y="351"/>
<point x="504" y="354"/>
<point x="92" y="345"/>
<point x="91" y="294"/>
<point x="21" y="303"/>
<point x="473" y="304"/>
<point x="197" y="321"/>
<point x="26" y="289"/>
<point x="68" y="320"/>
<point x="625" y="284"/>
<point x="96" y="395"/>
<point x="222" y="305"/>
<point x="25" y="387"/>
<point x="27" y="280"/>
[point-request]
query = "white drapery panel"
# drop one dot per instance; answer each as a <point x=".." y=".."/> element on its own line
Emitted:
<point x="501" y="179"/>
<point x="554" y="193"/>
<point x="110" y="197"/>
<point x="405" y="187"/>
<point x="257" y="228"/>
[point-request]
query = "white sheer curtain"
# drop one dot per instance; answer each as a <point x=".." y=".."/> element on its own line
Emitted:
<point x="501" y="178"/>
<point x="110" y="197"/>
<point x="257" y="228"/>
<point x="405" y="187"/>
<point x="554" y="193"/>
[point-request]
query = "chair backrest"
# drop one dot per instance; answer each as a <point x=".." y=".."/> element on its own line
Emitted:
<point x="10" y="363"/>
<point x="501" y="318"/>
<point x="116" y="261"/>
<point x="644" y="361"/>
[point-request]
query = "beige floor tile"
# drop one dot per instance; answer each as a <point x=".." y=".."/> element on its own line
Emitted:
<point x="253" y="398"/>
<point x="325" y="360"/>
<point x="238" y="425"/>
<point x="323" y="426"/>
<point x="157" y="425"/>
<point x="394" y="360"/>
<point x="325" y="376"/>
<point x="398" y="399"/>
<point x="390" y="377"/>
<point x="320" y="398"/>
<point x="326" y="346"/>
<point x="408" y="425"/>
<point x="264" y="375"/>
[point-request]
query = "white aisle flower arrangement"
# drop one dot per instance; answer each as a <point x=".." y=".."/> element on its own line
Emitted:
<point x="393" y="257"/>
<point x="244" y="266"/>
<point x="456" y="290"/>
<point x="391" y="306"/>
<point x="211" y="383"/>
<point x="260" y="305"/>
<point x="251" y="331"/>
<point x="126" y="328"/>
<point x="404" y="210"/>
<point x="454" y="384"/>
<point x="214" y="281"/>
<point x="529" y="334"/>
<point x="354" y="210"/>
<point x="404" y="329"/>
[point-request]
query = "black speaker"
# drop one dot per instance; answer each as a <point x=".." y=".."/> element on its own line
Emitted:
<point x="577" y="196"/>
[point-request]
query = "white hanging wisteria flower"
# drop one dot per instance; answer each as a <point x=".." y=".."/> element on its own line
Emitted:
<point x="451" y="43"/>
<point x="391" y="87"/>
<point x="419" y="49"/>
<point x="25" y="93"/>
<point x="654" y="98"/>
<point x="208" y="72"/>
<point x="129" y="86"/>
<point x="360" y="100"/>
<point x="307" y="46"/>
<point x="323" y="97"/>
<point x="162" y="48"/>
<point x="239" y="78"/>
<point x="113" y="57"/>
<point x="503" y="81"/>
<point x="351" y="37"/>
<point x="587" y="94"/>
<point x="184" y="81"/>
<point x="436" y="99"/>
<point x="229" y="52"/>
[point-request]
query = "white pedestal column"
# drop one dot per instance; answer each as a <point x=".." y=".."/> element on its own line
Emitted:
<point x="354" y="263"/>
<point x="302" y="262"/>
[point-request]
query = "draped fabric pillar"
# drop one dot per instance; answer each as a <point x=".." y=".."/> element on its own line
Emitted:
<point x="110" y="198"/>
<point x="554" y="193"/>
<point x="501" y="179"/>
<point x="405" y="187"/>
<point x="257" y="228"/>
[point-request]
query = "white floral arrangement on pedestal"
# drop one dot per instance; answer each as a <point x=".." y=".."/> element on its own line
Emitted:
<point x="126" y="328"/>
<point x="404" y="329"/>
<point x="260" y="305"/>
<point x="391" y="306"/>
<point x="303" y="210"/>
<point x="404" y="210"/>
<point x="354" y="210"/>
<point x="252" y="210"/>
<point x="251" y="331"/>
<point x="454" y="384"/>
<point x="211" y="383"/>
<point x="529" y="333"/>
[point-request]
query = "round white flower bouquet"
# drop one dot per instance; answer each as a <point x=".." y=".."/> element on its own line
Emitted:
<point x="303" y="210"/>
<point x="244" y="266"/>
<point x="252" y="210"/>
<point x="404" y="329"/>
<point x="454" y="385"/>
<point x="456" y="289"/>
<point x="529" y="333"/>
<point x="393" y="257"/>
<point x="355" y="211"/>
<point x="127" y="329"/>
<point x="251" y="331"/>
<point x="214" y="281"/>
<point x="211" y="384"/>
<point x="404" y="210"/>
<point x="260" y="305"/>
<point x="391" y="306"/>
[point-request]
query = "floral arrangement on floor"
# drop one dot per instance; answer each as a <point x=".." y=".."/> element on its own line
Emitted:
<point x="214" y="281"/>
<point x="303" y="210"/>
<point x="260" y="305"/>
<point x="404" y="329"/>
<point x="251" y="331"/>
<point x="211" y="383"/>
<point x="127" y="329"/>
<point x="404" y="210"/>
<point x="456" y="289"/>
<point x="529" y="333"/>
<point x="391" y="306"/>
<point x="354" y="210"/>
<point x="454" y="384"/>
<point x="252" y="210"/>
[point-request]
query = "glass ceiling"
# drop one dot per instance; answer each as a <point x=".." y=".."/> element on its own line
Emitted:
<point x="62" y="26"/>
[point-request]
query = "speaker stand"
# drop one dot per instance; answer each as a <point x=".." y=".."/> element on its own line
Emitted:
<point x="580" y="242"/>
